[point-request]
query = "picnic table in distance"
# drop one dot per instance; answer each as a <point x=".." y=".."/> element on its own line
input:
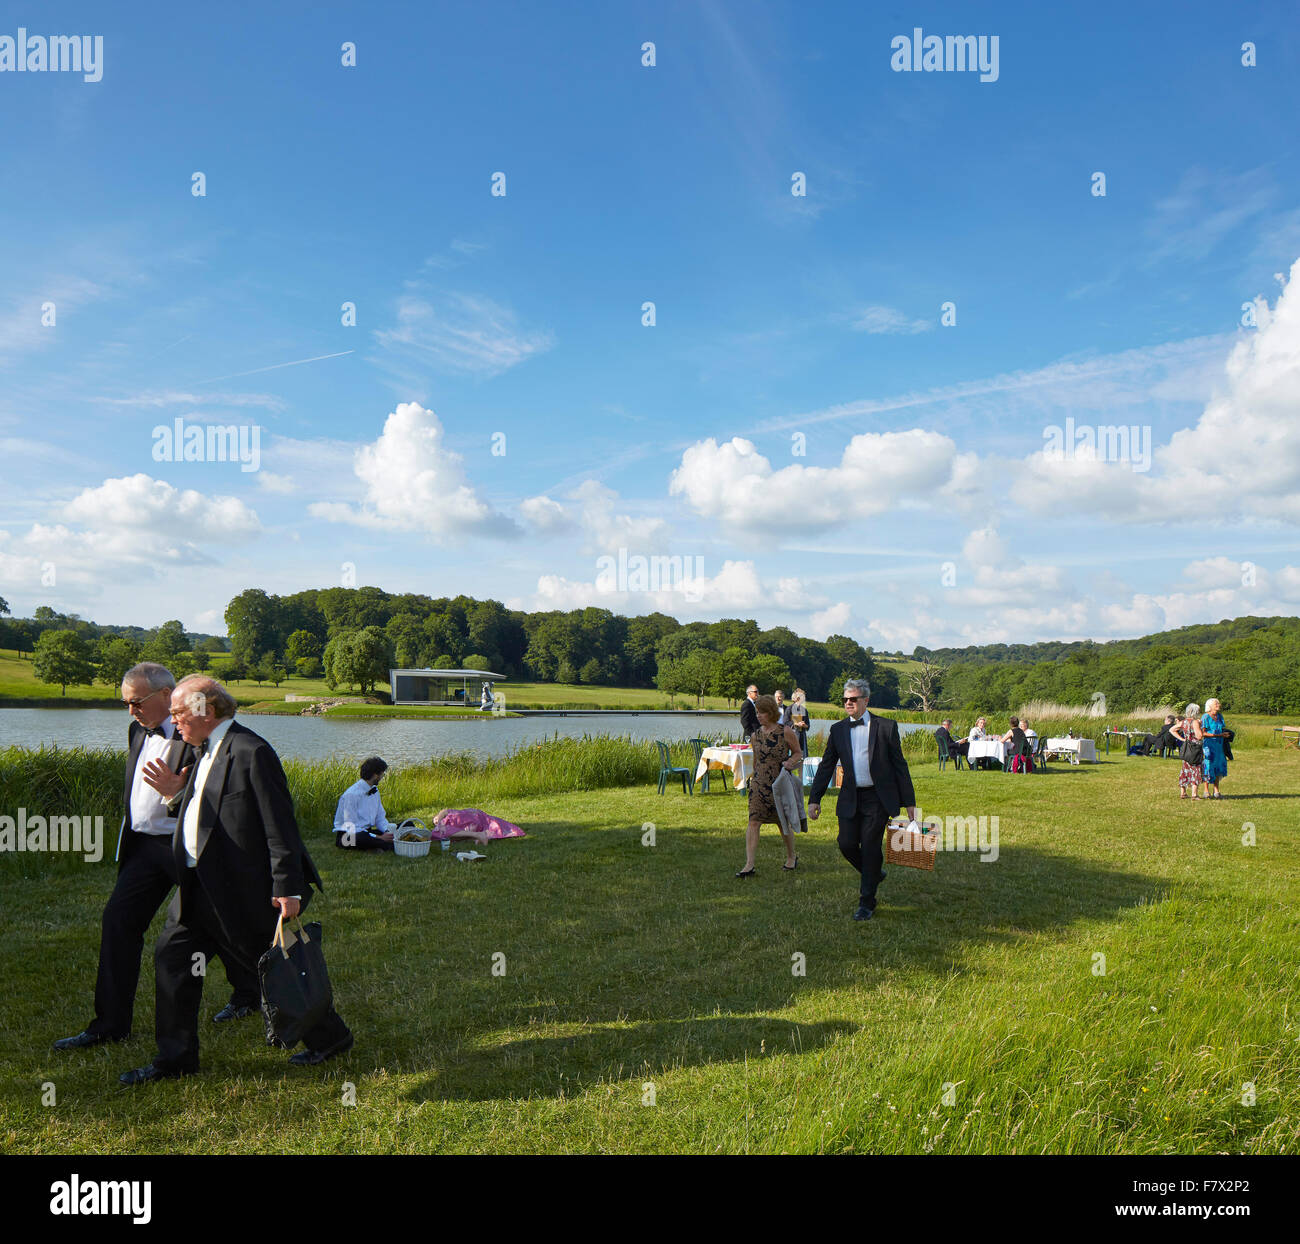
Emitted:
<point x="738" y="759"/>
<point x="1077" y="751"/>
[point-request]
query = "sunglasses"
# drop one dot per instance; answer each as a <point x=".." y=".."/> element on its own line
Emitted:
<point x="852" y="699"/>
<point x="138" y="703"/>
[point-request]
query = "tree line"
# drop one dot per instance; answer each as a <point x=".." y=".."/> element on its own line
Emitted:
<point x="353" y="636"/>
<point x="1251" y="664"/>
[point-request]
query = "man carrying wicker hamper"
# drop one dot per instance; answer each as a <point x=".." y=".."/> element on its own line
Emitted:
<point x="876" y="784"/>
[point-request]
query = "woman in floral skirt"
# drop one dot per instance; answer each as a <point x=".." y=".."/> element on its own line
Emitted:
<point x="1189" y="735"/>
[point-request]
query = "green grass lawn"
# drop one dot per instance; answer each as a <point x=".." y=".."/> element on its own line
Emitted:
<point x="969" y="1017"/>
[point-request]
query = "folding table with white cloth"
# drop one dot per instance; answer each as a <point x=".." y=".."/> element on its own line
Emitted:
<point x="1073" y="750"/>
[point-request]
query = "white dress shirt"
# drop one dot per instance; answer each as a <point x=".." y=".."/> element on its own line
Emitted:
<point x="359" y="809"/>
<point x="148" y="809"/>
<point x="975" y="734"/>
<point x="191" y="827"/>
<point x="858" y="738"/>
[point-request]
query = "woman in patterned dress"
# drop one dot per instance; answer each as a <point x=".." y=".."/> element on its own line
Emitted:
<point x="1216" y="763"/>
<point x="1189" y="729"/>
<point x="775" y="747"/>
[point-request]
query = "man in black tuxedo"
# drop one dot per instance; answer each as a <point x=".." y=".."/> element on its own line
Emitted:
<point x="240" y="860"/>
<point x="157" y="764"/>
<point x="956" y="747"/>
<point x="876" y="784"/>
<point x="748" y="713"/>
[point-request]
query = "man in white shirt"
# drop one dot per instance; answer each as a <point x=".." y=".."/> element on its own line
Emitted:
<point x="359" y="820"/>
<point x="877" y="783"/>
<point x="158" y="762"/>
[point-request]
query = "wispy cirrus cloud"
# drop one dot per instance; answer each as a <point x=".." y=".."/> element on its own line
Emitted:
<point x="173" y="397"/>
<point x="878" y="319"/>
<point x="460" y="333"/>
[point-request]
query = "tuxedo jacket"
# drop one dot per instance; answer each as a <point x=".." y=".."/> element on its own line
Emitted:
<point x="748" y="716"/>
<point x="942" y="736"/>
<point x="889" y="771"/>
<point x="249" y="848"/>
<point x="178" y="754"/>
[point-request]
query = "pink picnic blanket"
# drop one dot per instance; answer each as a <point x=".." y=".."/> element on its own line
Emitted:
<point x="458" y="820"/>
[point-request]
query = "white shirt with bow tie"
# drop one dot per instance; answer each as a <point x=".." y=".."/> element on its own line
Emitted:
<point x="360" y="808"/>
<point x="203" y="766"/>
<point x="148" y="809"/>
<point x="860" y="742"/>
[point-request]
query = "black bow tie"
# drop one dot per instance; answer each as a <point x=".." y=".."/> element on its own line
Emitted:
<point x="374" y="790"/>
<point x="861" y="721"/>
<point x="202" y="749"/>
<point x="155" y="732"/>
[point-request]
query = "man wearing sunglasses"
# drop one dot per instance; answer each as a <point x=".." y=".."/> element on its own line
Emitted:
<point x="876" y="784"/>
<point x="158" y="761"/>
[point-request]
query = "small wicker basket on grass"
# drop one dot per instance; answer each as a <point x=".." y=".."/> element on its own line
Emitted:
<point x="415" y="848"/>
<point x="909" y="848"/>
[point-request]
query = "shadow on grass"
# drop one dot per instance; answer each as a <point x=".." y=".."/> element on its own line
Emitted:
<point x="663" y="959"/>
<point x="1262" y="795"/>
<point x="554" y="1065"/>
<point x="617" y="956"/>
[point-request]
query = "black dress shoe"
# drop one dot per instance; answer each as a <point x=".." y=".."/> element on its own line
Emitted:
<point x="142" y="1075"/>
<point x="84" y="1040"/>
<point x="310" y="1058"/>
<point x="862" y="913"/>
<point x="231" y="1011"/>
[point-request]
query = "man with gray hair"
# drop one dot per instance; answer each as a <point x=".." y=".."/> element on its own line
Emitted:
<point x="158" y="761"/>
<point x="240" y="862"/>
<point x="876" y="784"/>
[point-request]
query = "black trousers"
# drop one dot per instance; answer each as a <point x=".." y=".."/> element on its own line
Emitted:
<point x="179" y="983"/>
<point x="143" y="882"/>
<point x="360" y="840"/>
<point x="861" y="838"/>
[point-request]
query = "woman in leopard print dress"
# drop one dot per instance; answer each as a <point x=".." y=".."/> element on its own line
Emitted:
<point x="775" y="747"/>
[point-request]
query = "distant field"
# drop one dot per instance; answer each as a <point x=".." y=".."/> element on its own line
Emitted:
<point x="17" y="682"/>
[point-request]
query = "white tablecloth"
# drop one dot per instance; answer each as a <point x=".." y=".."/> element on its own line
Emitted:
<point x="1077" y="749"/>
<point x="740" y="761"/>
<point x="992" y="749"/>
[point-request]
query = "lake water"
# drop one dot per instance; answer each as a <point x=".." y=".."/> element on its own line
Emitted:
<point x="400" y="741"/>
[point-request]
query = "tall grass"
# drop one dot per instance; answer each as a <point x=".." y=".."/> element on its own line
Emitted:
<point x="85" y="781"/>
<point x="459" y="779"/>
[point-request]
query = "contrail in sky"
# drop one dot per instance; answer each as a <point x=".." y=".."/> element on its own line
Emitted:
<point x="274" y="367"/>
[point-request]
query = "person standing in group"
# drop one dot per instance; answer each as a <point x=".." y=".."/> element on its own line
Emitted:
<point x="1214" y="732"/>
<point x="239" y="861"/>
<point x="799" y="718"/>
<point x="158" y="761"/>
<point x="782" y="708"/>
<point x="876" y="784"/>
<point x="775" y="747"/>
<point x="1189" y="735"/>
<point x="748" y="715"/>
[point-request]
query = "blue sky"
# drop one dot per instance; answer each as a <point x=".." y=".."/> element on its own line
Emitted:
<point x="798" y="422"/>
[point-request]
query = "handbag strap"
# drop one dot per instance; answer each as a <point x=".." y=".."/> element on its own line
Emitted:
<point x="278" y="939"/>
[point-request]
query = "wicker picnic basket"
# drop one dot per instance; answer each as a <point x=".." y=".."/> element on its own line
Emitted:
<point x="909" y="848"/>
<point x="412" y="850"/>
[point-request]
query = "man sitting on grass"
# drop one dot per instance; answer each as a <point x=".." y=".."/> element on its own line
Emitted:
<point x="359" y="820"/>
